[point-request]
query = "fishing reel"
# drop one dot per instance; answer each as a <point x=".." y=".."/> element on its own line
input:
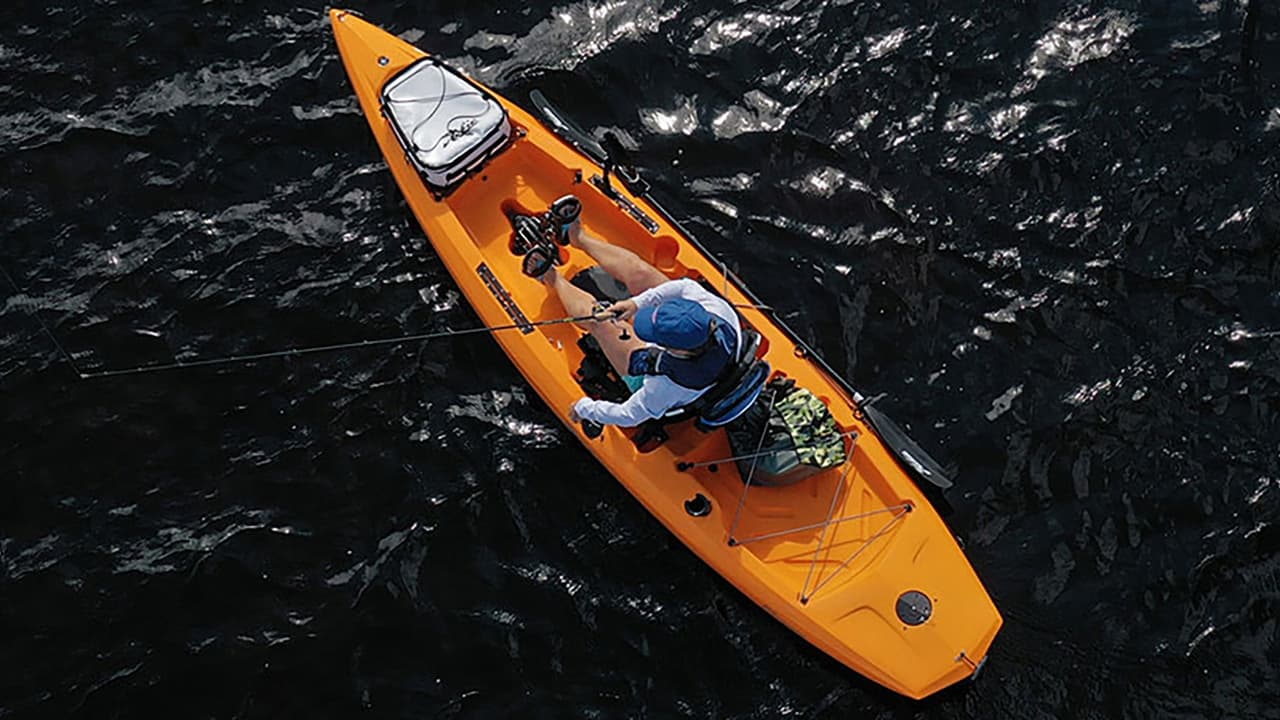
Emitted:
<point x="597" y="312"/>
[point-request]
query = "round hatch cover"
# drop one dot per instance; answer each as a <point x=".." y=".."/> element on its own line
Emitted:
<point x="914" y="607"/>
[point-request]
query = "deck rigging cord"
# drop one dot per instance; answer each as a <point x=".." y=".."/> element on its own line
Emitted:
<point x="899" y="511"/>
<point x="905" y="508"/>
<point x="824" y="524"/>
<point x="822" y="535"/>
<point x="755" y="460"/>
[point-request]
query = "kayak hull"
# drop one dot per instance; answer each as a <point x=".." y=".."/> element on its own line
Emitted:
<point x="840" y="586"/>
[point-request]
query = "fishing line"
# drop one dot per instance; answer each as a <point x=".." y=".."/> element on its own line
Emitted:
<point x="66" y="355"/>
<point x="230" y="359"/>
<point x="289" y="352"/>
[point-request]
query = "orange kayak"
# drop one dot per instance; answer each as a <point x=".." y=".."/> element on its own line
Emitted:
<point x="854" y="559"/>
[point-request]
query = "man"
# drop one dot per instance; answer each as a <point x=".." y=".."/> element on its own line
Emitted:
<point x="684" y="336"/>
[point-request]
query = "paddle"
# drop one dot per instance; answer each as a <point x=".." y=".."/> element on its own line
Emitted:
<point x="612" y="155"/>
<point x="566" y="128"/>
<point x="918" y="462"/>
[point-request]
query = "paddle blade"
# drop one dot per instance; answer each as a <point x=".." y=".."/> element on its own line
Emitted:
<point x="567" y="129"/>
<point x="919" y="463"/>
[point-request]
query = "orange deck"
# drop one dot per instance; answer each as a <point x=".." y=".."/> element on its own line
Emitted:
<point x="851" y="616"/>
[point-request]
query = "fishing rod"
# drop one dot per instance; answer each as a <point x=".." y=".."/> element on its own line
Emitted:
<point x="230" y="359"/>
<point x="599" y="315"/>
<point x="249" y="357"/>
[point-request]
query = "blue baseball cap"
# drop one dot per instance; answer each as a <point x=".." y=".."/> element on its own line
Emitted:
<point x="677" y="323"/>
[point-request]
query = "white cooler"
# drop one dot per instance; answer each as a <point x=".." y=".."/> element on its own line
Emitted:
<point x="447" y="124"/>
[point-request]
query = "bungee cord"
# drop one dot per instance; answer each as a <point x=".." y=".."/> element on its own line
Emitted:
<point x="742" y="501"/>
<point x="822" y="536"/>
<point x="824" y="524"/>
<point x="905" y="508"/>
<point x="899" y="511"/>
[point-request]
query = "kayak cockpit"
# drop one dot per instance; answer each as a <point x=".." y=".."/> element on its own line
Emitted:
<point x="464" y="146"/>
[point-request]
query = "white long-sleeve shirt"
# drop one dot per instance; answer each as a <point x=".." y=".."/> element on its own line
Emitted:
<point x="659" y="394"/>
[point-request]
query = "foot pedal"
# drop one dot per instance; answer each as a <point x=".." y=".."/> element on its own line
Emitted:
<point x="526" y="234"/>
<point x="563" y="213"/>
<point x="537" y="261"/>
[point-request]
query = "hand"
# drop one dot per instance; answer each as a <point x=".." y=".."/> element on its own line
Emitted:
<point x="622" y="310"/>
<point x="574" y="417"/>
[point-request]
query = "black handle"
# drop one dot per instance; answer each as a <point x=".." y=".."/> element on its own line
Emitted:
<point x="614" y="149"/>
<point x="592" y="429"/>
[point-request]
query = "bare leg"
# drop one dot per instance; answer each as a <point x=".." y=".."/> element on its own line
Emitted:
<point x="578" y="302"/>
<point x="620" y="263"/>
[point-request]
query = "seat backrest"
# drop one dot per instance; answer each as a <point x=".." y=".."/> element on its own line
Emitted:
<point x="726" y="385"/>
<point x="738" y="399"/>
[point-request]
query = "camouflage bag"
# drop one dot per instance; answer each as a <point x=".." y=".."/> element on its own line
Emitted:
<point x="794" y="439"/>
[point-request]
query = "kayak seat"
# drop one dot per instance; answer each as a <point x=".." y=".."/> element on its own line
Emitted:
<point x="738" y="399"/>
<point x="600" y="284"/>
<point x="742" y="378"/>
<point x="448" y="126"/>
<point x="595" y="375"/>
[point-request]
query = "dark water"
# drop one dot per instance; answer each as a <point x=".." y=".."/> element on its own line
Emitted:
<point x="1047" y="230"/>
